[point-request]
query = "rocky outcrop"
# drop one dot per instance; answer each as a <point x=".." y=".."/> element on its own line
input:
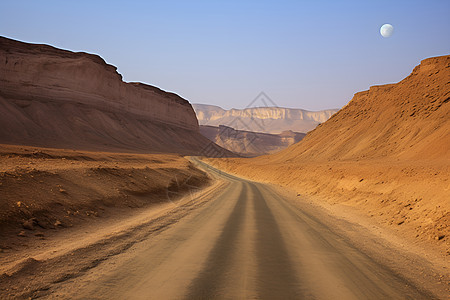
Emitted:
<point x="57" y="98"/>
<point x="248" y="143"/>
<point x="262" y="119"/>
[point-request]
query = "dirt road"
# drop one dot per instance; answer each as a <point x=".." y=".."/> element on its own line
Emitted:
<point x="246" y="243"/>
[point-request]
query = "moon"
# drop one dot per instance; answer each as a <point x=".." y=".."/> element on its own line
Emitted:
<point x="387" y="30"/>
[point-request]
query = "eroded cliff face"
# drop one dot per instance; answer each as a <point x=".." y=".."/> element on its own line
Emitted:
<point x="271" y="113"/>
<point x="56" y="98"/>
<point x="248" y="143"/>
<point x="262" y="119"/>
<point x="41" y="72"/>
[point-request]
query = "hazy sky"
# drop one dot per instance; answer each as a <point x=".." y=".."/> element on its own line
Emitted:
<point x="303" y="54"/>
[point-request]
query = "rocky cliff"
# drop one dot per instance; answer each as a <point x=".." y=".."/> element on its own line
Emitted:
<point x="248" y="143"/>
<point x="57" y="98"/>
<point x="262" y="119"/>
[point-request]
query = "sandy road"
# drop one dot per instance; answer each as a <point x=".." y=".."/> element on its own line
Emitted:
<point x="246" y="243"/>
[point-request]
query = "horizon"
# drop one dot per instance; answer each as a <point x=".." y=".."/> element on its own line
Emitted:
<point x="199" y="49"/>
<point x="253" y="107"/>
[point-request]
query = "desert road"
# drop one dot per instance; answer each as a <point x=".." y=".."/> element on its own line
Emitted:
<point x="248" y="242"/>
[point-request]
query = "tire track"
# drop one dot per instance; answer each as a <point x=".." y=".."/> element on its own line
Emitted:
<point x="276" y="277"/>
<point x="366" y="278"/>
<point x="209" y="282"/>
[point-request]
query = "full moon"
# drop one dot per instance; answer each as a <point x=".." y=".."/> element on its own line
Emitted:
<point x="387" y="30"/>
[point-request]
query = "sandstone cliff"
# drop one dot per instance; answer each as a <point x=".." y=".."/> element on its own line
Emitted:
<point x="262" y="119"/>
<point x="57" y="98"/>
<point x="248" y="143"/>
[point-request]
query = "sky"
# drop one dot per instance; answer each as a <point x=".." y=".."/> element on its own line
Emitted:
<point x="312" y="55"/>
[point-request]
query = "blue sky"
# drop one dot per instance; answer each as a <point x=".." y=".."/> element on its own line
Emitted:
<point x="303" y="54"/>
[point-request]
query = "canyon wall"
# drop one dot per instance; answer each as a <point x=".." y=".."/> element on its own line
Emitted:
<point x="51" y="97"/>
<point x="45" y="73"/>
<point x="249" y="143"/>
<point x="262" y="119"/>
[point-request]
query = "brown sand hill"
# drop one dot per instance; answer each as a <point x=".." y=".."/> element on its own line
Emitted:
<point x="386" y="154"/>
<point x="407" y="120"/>
<point x="56" y="98"/>
<point x="249" y="143"/>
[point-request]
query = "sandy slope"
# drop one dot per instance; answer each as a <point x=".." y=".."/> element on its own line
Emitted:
<point x="43" y="190"/>
<point x="408" y="120"/>
<point x="387" y="154"/>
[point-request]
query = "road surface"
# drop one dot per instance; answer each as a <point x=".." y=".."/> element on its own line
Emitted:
<point x="246" y="243"/>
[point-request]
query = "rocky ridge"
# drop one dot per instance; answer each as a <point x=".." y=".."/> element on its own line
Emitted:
<point x="248" y="143"/>
<point x="262" y="119"/>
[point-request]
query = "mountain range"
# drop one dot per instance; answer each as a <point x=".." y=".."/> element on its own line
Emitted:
<point x="249" y="143"/>
<point x="262" y="119"/>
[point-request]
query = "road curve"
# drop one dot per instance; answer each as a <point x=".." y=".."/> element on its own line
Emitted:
<point x="247" y="243"/>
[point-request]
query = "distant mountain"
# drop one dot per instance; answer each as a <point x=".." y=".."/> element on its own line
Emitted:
<point x="262" y="119"/>
<point x="248" y="143"/>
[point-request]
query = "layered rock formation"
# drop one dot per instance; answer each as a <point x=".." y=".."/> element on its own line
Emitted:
<point x="57" y="98"/>
<point x="262" y="119"/>
<point x="249" y="143"/>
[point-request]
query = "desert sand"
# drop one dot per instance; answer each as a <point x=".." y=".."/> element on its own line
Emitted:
<point x="45" y="190"/>
<point x="234" y="239"/>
